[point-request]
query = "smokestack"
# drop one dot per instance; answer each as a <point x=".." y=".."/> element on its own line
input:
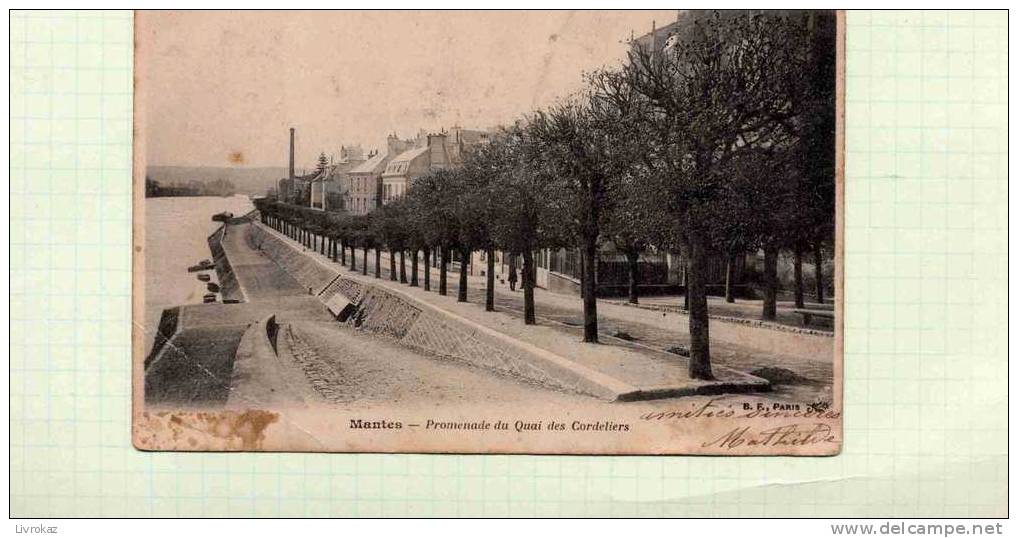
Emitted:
<point x="291" y="153"/>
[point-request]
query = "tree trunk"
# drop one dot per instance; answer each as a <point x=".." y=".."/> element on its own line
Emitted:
<point x="461" y="293"/>
<point x="342" y="252"/>
<point x="633" y="260"/>
<point x="529" y="317"/>
<point x="427" y="269"/>
<point x="402" y="266"/>
<point x="443" y="268"/>
<point x="583" y="275"/>
<point x="364" y="263"/>
<point x="392" y="265"/>
<point x="413" y="268"/>
<point x="818" y="261"/>
<point x="353" y="258"/>
<point x="770" y="277"/>
<point x="729" y="278"/>
<point x="378" y="262"/>
<point x="699" y="322"/>
<point x="685" y="284"/>
<point x="800" y="301"/>
<point x="489" y="290"/>
<point x="589" y="291"/>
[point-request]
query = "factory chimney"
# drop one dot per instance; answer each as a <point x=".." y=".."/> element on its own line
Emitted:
<point x="291" y="154"/>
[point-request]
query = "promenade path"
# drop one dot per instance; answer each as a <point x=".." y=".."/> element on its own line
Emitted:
<point x="748" y="309"/>
<point x="196" y="368"/>
<point x="800" y="365"/>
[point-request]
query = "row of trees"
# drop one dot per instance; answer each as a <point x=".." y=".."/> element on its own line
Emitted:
<point x="216" y="187"/>
<point x="720" y="144"/>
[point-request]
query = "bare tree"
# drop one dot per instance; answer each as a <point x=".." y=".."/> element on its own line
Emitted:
<point x="718" y="91"/>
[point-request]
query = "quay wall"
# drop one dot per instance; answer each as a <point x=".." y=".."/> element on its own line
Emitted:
<point x="420" y="326"/>
<point x="229" y="288"/>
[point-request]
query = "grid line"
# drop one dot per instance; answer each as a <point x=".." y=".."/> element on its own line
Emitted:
<point x="925" y="315"/>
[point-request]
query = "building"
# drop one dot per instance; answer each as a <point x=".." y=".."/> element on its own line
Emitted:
<point x="403" y="169"/>
<point x="431" y="151"/>
<point x="330" y="187"/>
<point x="365" y="181"/>
<point x="296" y="190"/>
<point x="460" y="140"/>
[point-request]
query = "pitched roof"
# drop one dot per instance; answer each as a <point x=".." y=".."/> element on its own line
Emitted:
<point x="373" y="165"/>
<point x="405" y="157"/>
<point x="410" y="154"/>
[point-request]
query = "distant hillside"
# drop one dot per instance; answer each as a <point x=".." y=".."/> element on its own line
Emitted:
<point x="246" y="180"/>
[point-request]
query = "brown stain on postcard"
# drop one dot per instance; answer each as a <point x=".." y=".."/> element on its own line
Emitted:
<point x="201" y="430"/>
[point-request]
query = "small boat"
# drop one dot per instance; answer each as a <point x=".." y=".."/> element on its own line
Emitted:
<point x="209" y="298"/>
<point x="213" y="287"/>
<point x="203" y="265"/>
<point x="204" y="277"/>
<point x="222" y="217"/>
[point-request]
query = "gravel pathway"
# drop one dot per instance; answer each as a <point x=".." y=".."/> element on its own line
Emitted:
<point x="366" y="368"/>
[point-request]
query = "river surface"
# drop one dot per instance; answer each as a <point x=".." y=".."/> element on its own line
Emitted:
<point x="176" y="237"/>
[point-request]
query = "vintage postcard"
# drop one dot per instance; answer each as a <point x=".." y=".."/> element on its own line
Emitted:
<point x="539" y="232"/>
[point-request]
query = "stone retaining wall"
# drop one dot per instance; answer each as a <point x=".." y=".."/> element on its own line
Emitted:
<point x="229" y="288"/>
<point x="168" y="322"/>
<point x="422" y="327"/>
<point x="293" y="259"/>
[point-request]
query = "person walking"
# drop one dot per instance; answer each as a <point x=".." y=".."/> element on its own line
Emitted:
<point x="512" y="273"/>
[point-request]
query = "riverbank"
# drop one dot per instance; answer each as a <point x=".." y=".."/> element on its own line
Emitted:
<point x="176" y="237"/>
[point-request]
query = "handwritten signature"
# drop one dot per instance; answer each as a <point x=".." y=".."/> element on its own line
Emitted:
<point x="714" y="410"/>
<point x="786" y="435"/>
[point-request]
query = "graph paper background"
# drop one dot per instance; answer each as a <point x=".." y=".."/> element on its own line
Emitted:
<point x="925" y="323"/>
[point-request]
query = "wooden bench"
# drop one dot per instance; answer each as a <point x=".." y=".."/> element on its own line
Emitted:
<point x="809" y="314"/>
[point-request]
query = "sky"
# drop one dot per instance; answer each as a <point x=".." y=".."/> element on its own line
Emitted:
<point x="222" y="88"/>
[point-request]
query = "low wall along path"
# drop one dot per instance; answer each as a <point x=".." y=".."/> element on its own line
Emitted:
<point x="419" y="323"/>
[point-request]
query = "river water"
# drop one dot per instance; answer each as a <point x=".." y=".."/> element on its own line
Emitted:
<point x="176" y="237"/>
